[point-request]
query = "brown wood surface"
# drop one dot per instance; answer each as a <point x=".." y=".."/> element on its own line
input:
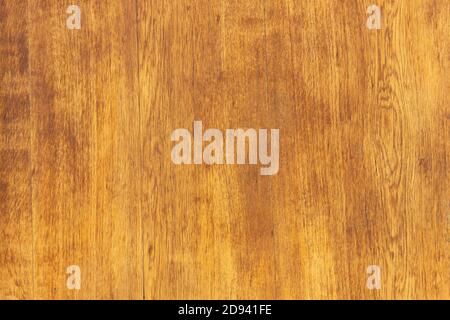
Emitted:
<point x="16" y="240"/>
<point x="86" y="176"/>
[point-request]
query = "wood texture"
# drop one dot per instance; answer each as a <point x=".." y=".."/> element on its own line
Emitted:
<point x="86" y="176"/>
<point x="86" y="152"/>
<point x="16" y="241"/>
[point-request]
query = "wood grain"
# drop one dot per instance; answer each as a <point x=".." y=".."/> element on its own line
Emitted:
<point x="86" y="176"/>
<point x="86" y="152"/>
<point x="16" y="241"/>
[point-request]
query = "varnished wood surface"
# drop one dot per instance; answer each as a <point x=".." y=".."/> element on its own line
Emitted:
<point x="86" y="177"/>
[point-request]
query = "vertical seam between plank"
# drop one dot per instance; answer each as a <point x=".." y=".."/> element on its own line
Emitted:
<point x="141" y="141"/>
<point x="31" y="149"/>
<point x="274" y="251"/>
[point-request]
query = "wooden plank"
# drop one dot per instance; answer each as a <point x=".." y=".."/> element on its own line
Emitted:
<point x="368" y="149"/>
<point x="206" y="236"/>
<point x="86" y="152"/>
<point x="322" y="225"/>
<point x="410" y="153"/>
<point x="16" y="242"/>
<point x="245" y="105"/>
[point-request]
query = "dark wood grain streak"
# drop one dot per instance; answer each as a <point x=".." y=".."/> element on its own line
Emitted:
<point x="16" y="243"/>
